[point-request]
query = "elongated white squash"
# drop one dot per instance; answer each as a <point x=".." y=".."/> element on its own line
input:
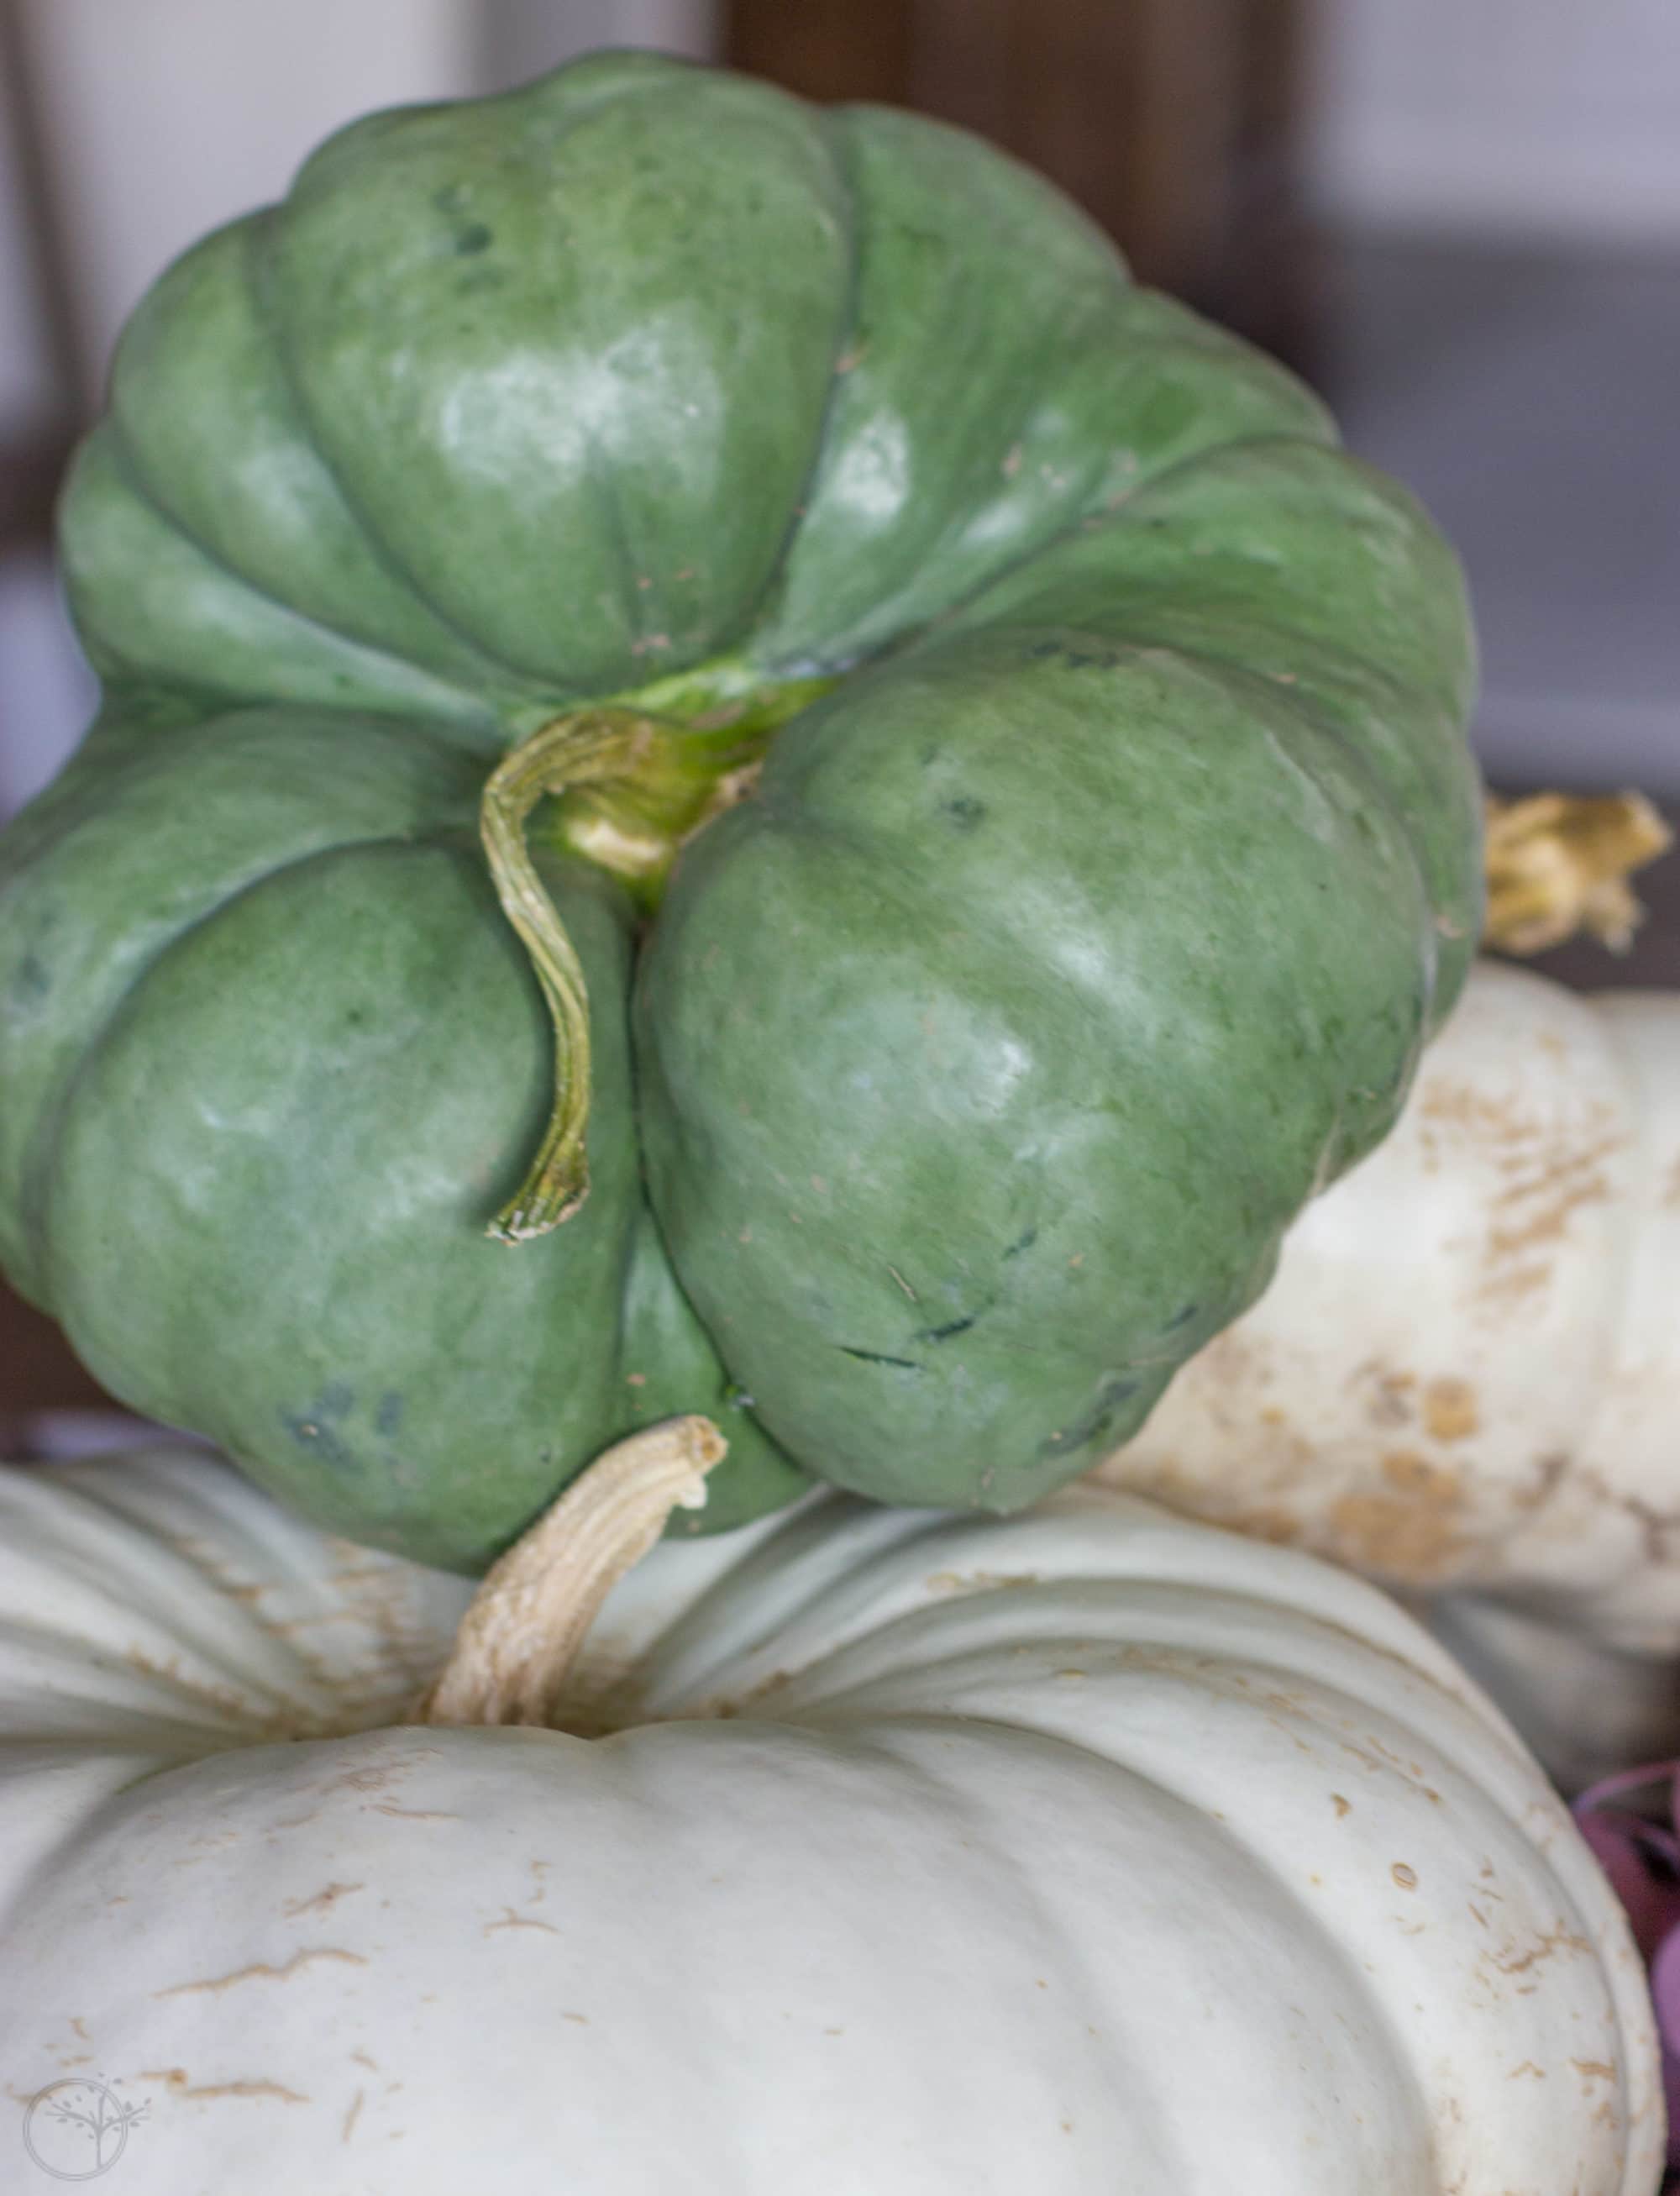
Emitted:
<point x="1467" y="1371"/>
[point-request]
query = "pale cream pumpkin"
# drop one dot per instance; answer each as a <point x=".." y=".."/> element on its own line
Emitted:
<point x="1085" y="1850"/>
<point x="1466" y="1373"/>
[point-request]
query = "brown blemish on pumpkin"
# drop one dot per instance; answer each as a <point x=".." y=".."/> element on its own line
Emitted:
<point x="1462" y="1106"/>
<point x="1526" y="2067"/>
<point x="1414" y="1533"/>
<point x="512" y="1920"/>
<point x="1165" y="1480"/>
<point x="1657" y="1527"/>
<point x="412" y="1814"/>
<point x="322" y="1901"/>
<point x="351" y="2117"/>
<point x="228" y="1702"/>
<point x="581" y="2018"/>
<point x="1566" y="1181"/>
<point x="76" y="2022"/>
<point x="1281" y="1526"/>
<point x="373" y="1777"/>
<point x="1594" y="2069"/>
<point x="1507" y="1290"/>
<point x="1404" y="1876"/>
<point x="1552" y="1169"/>
<point x="1391" y="1400"/>
<point x="1451" y="1412"/>
<point x="179" y="2084"/>
<point x="259" y="1970"/>
<point x="1548" y="1472"/>
<point x="1343" y="1806"/>
<point x="1550" y="1945"/>
<point x="362" y="2059"/>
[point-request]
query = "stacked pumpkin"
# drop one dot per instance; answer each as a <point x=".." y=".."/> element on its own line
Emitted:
<point x="705" y="689"/>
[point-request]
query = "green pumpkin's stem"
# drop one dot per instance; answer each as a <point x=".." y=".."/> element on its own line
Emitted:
<point x="582" y="746"/>
<point x="514" y="1651"/>
<point x="632" y="784"/>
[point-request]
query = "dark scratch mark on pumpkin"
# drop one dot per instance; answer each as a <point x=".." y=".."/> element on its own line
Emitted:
<point x="877" y="1357"/>
<point x="951" y="1326"/>
<point x="1067" y="1441"/>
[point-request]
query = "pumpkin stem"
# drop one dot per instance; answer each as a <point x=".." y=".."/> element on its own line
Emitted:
<point x="631" y="786"/>
<point x="572" y="749"/>
<point x="524" y="1625"/>
<point x="1558" y="863"/>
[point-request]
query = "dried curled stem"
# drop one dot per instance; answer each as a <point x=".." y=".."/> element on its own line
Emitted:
<point x="1558" y="863"/>
<point x="523" y="1627"/>
<point x="579" y="749"/>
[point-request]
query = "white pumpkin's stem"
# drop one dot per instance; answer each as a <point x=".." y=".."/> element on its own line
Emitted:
<point x="523" y="1627"/>
<point x="1558" y="863"/>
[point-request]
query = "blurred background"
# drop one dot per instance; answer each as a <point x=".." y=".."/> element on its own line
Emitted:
<point x="1460" y="218"/>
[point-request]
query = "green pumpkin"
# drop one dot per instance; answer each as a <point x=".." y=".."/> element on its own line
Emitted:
<point x="1112" y="850"/>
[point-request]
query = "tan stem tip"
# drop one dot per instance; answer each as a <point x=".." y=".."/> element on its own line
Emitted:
<point x="524" y="1625"/>
<point x="1558" y="863"/>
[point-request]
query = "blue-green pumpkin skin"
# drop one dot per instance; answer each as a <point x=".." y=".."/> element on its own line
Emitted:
<point x="968" y="1073"/>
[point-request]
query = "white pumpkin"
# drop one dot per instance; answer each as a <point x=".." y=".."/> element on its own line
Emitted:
<point x="1077" y="1851"/>
<point x="1467" y="1371"/>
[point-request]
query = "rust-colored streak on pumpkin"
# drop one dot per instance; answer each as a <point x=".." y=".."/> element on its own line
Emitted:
<point x="1451" y="1412"/>
<point x="1567" y="1179"/>
<point x="1462" y="1106"/>
<point x="1551" y="1171"/>
<point x="179" y="2084"/>
<point x="1415" y="1532"/>
<point x="261" y="1971"/>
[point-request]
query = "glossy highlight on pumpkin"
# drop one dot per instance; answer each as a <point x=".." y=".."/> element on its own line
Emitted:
<point x="1087" y="914"/>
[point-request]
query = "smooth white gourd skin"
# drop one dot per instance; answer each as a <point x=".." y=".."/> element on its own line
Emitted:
<point x="1085" y="1850"/>
<point x="1467" y="1371"/>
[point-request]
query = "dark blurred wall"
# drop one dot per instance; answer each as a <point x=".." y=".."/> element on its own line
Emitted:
<point x="1176" y="122"/>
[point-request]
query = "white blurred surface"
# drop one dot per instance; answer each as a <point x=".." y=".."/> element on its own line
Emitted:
<point x="1531" y="398"/>
<point x="520" y="38"/>
<point x="166" y="118"/>
<point x="1542" y="119"/>
<point x="47" y="692"/>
